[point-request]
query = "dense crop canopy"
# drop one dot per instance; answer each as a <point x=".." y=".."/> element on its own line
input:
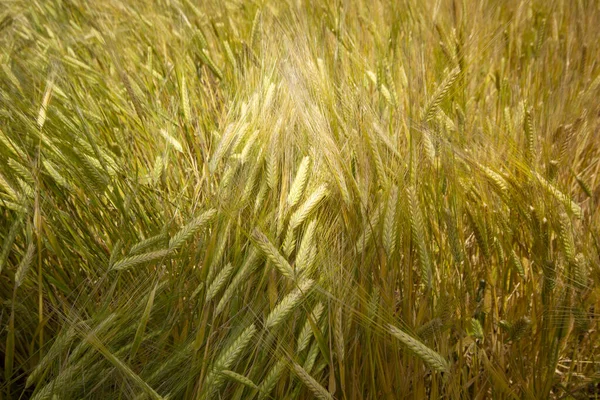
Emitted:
<point x="296" y="199"/>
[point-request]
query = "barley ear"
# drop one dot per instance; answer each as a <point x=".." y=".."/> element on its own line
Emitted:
<point x="315" y="387"/>
<point x="418" y="236"/>
<point x="429" y="356"/>
<point x="287" y="304"/>
<point x="269" y="250"/>
<point x="299" y="184"/>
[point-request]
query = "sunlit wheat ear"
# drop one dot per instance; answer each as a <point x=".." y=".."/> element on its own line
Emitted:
<point x="256" y="23"/>
<point x="225" y="143"/>
<point x="261" y="195"/>
<point x="272" y="169"/>
<point x="56" y="175"/>
<point x="21" y="171"/>
<point x="250" y="146"/>
<point x="185" y="100"/>
<point x="289" y="243"/>
<point x="475" y="329"/>
<point x="500" y="183"/>
<point x="529" y="137"/>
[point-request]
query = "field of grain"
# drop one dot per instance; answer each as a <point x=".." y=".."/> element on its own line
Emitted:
<point x="299" y="199"/>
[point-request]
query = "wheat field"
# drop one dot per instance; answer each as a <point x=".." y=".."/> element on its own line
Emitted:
<point x="299" y="199"/>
